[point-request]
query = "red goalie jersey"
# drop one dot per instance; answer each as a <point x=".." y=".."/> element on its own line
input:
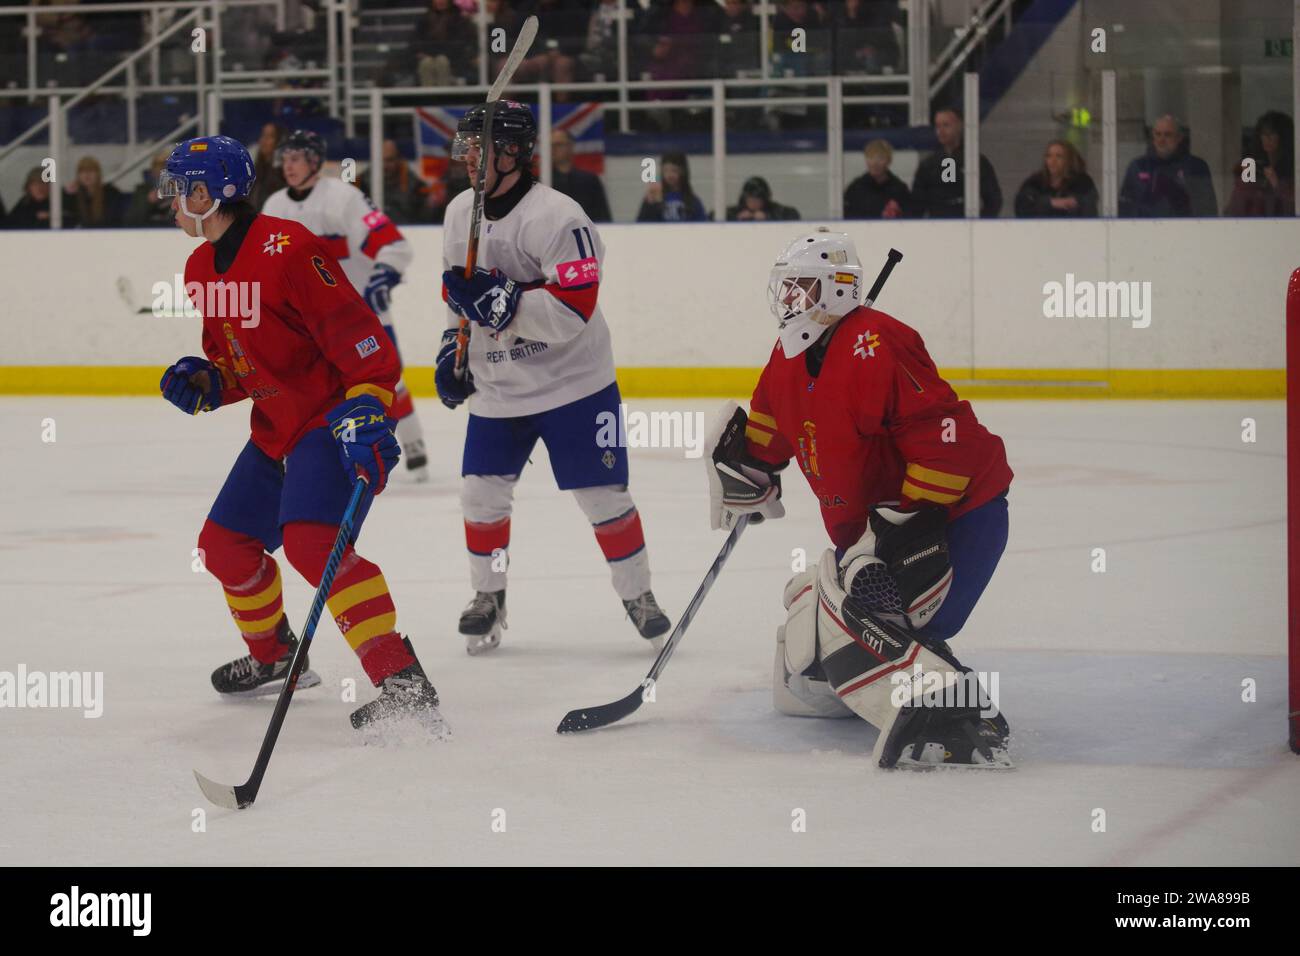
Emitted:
<point x="877" y="423"/>
<point x="310" y="341"/>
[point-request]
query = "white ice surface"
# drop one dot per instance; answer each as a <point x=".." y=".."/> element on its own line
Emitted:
<point x="1123" y="689"/>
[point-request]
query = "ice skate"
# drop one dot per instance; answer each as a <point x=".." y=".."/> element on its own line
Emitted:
<point x="650" y="620"/>
<point x="248" y="677"/>
<point x="406" y="694"/>
<point x="483" y="621"/>
<point x="417" y="460"/>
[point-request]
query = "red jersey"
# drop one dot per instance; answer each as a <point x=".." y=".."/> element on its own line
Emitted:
<point x="311" y="342"/>
<point x="876" y="424"/>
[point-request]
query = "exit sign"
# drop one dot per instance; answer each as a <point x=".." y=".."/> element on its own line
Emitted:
<point x="1278" y="46"/>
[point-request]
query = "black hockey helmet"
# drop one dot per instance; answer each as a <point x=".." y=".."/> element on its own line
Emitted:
<point x="311" y="143"/>
<point x="512" y="125"/>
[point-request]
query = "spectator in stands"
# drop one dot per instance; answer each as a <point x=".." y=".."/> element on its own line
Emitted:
<point x="1062" y="189"/>
<point x="561" y="34"/>
<point x="32" y="211"/>
<point x="94" y="204"/>
<point x="1273" y="191"/>
<point x="939" y="187"/>
<point x="599" y="56"/>
<point x="864" y="35"/>
<point x="445" y="45"/>
<point x="738" y="48"/>
<point x="756" y="204"/>
<point x="672" y="200"/>
<point x="147" y="208"/>
<point x="1168" y="181"/>
<point x="582" y="187"/>
<point x="877" y="193"/>
<point x="265" y="165"/>
<point x="403" y="190"/>
<point x="685" y="37"/>
<point x="438" y="197"/>
<point x="792" y="15"/>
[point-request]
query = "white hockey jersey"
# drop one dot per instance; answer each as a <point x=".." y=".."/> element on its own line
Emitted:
<point x="358" y="234"/>
<point x="556" y="350"/>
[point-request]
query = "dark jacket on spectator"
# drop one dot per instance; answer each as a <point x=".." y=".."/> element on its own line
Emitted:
<point x="1163" y="188"/>
<point x="80" y="205"/>
<point x="1260" y="198"/>
<point x="403" y="194"/>
<point x="586" y="190"/>
<point x="29" y="214"/>
<point x="868" y="27"/>
<point x="866" y="199"/>
<point x="932" y="198"/>
<point x="1034" y="201"/>
<point x="449" y="33"/>
<point x="775" y="213"/>
<point x="674" y="208"/>
<point x="147" y="211"/>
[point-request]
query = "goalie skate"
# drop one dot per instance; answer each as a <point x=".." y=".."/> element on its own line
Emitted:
<point x="927" y="737"/>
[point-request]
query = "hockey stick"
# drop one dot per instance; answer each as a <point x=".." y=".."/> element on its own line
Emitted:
<point x="243" y="795"/>
<point x="523" y="43"/>
<point x="589" y="718"/>
<point x="893" y="259"/>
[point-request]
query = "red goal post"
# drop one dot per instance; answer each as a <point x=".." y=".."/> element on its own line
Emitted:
<point x="1293" y="503"/>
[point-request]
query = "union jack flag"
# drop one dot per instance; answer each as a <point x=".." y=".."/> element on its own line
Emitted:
<point x="435" y="128"/>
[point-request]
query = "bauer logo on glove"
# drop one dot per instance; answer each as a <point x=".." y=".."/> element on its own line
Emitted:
<point x="486" y="299"/>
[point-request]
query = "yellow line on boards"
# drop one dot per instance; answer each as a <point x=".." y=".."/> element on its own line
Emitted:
<point x="722" y="382"/>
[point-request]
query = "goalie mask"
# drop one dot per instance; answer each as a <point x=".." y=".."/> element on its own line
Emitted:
<point x="815" y="282"/>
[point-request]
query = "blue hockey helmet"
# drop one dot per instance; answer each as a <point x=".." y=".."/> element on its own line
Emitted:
<point x="222" y="164"/>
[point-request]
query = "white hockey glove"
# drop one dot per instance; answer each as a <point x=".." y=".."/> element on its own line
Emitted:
<point x="738" y="482"/>
<point x="899" y="568"/>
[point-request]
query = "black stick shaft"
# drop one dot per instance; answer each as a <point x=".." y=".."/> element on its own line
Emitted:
<point x="893" y="259"/>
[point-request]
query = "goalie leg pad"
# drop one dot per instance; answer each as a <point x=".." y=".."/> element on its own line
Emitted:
<point x="798" y="695"/>
<point x="874" y="667"/>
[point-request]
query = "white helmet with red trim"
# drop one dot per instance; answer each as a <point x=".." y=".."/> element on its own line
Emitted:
<point x="816" y="281"/>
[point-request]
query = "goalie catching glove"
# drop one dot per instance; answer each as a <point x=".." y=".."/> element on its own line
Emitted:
<point x="738" y="482"/>
<point x="899" y="569"/>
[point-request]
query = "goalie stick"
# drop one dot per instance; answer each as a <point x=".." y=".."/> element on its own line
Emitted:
<point x="589" y="718"/>
<point x="243" y="795"/>
<point x="523" y="43"/>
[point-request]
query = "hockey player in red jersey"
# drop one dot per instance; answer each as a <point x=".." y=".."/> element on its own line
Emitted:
<point x="913" y="495"/>
<point x="320" y="373"/>
<point x="367" y="244"/>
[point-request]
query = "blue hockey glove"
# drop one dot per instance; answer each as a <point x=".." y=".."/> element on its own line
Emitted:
<point x="365" y="438"/>
<point x="485" y="299"/>
<point x="379" y="286"/>
<point x="452" y="390"/>
<point x="192" y="397"/>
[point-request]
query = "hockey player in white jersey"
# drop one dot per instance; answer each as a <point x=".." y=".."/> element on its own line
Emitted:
<point x="366" y="243"/>
<point x="539" y="366"/>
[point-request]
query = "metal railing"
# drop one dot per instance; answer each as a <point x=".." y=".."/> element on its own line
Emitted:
<point x="213" y="85"/>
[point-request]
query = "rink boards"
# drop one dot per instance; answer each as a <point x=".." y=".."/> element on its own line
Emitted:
<point x="1125" y="309"/>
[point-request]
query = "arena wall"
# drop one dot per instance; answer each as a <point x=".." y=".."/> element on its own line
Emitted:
<point x="687" y="306"/>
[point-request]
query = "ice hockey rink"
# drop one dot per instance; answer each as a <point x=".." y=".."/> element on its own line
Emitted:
<point x="1128" y="691"/>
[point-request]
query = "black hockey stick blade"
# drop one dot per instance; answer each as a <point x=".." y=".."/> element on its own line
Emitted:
<point x="590" y="718"/>
<point x="602" y="715"/>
